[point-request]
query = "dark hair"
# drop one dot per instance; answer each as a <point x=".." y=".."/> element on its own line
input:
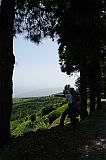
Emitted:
<point x="65" y="92"/>
<point x="72" y="90"/>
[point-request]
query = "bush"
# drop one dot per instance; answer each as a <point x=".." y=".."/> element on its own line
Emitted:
<point x="47" y="110"/>
<point x="20" y="129"/>
<point x="53" y="116"/>
<point x="33" y="118"/>
<point x="56" y="113"/>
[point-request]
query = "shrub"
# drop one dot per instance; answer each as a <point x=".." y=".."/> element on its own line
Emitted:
<point x="56" y="113"/>
<point x="26" y="118"/>
<point x="52" y="117"/>
<point x="47" y="110"/>
<point x="33" y="118"/>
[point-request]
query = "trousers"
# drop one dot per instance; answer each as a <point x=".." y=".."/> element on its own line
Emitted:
<point x="71" y="111"/>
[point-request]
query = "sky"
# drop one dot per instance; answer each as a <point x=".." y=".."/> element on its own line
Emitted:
<point x="37" y="66"/>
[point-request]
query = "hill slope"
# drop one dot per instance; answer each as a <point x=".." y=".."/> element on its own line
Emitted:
<point x="87" y="143"/>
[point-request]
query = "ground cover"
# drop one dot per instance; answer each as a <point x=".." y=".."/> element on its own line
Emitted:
<point x="88" y="142"/>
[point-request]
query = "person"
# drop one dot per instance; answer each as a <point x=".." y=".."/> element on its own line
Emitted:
<point x="71" y="109"/>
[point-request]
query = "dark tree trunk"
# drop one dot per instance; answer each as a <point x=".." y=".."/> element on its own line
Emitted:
<point x="7" y="61"/>
<point x="95" y="80"/>
<point x="92" y="96"/>
<point x="99" y="81"/>
<point x="92" y="87"/>
<point x="83" y="92"/>
<point x="99" y="106"/>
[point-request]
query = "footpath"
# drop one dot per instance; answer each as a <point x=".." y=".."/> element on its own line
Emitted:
<point x="95" y="148"/>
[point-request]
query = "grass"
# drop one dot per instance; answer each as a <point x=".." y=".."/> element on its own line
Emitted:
<point x="60" y="143"/>
<point x="24" y="108"/>
<point x="41" y="140"/>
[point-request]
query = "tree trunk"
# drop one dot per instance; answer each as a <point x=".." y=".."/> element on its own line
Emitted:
<point x="5" y="103"/>
<point x="92" y="96"/>
<point x="92" y="86"/>
<point x="7" y="61"/>
<point x="99" y="81"/>
<point x="99" y="106"/>
<point x="83" y="92"/>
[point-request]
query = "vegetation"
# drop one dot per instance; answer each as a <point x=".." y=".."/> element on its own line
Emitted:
<point x="61" y="143"/>
<point x="80" y="30"/>
<point x="79" y="27"/>
<point x="31" y="114"/>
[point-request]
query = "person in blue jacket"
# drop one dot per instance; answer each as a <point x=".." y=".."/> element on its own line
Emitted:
<point x="71" y="109"/>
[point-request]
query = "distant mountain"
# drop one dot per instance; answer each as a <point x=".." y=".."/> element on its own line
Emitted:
<point x="37" y="93"/>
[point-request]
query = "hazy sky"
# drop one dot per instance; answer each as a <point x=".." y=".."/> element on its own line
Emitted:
<point x="37" y="66"/>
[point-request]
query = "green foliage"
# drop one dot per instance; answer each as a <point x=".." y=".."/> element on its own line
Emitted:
<point x="53" y="116"/>
<point x="80" y="30"/>
<point x="31" y="114"/>
<point x="52" y="106"/>
<point x="25" y="106"/>
<point x="61" y="143"/>
<point x="20" y="129"/>
<point x="40" y="123"/>
<point x="56" y="113"/>
<point x="33" y="117"/>
<point x="47" y="110"/>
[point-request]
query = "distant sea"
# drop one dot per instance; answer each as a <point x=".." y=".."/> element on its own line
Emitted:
<point x="36" y="93"/>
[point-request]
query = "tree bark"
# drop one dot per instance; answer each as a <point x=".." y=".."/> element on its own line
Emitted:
<point x="92" y="87"/>
<point x="92" y="96"/>
<point x="95" y="80"/>
<point x="83" y="92"/>
<point x="99" y="89"/>
<point x="7" y="60"/>
<point x="99" y="106"/>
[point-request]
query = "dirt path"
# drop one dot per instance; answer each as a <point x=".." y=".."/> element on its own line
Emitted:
<point x="96" y="150"/>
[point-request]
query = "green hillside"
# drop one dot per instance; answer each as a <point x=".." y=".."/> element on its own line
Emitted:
<point x="87" y="143"/>
<point x="37" y="136"/>
<point x="31" y="114"/>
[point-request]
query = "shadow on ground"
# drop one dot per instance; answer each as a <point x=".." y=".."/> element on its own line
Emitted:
<point x="86" y="143"/>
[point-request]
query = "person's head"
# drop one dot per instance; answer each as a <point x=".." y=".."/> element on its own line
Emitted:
<point x="65" y="92"/>
<point x="66" y="89"/>
<point x="71" y="90"/>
